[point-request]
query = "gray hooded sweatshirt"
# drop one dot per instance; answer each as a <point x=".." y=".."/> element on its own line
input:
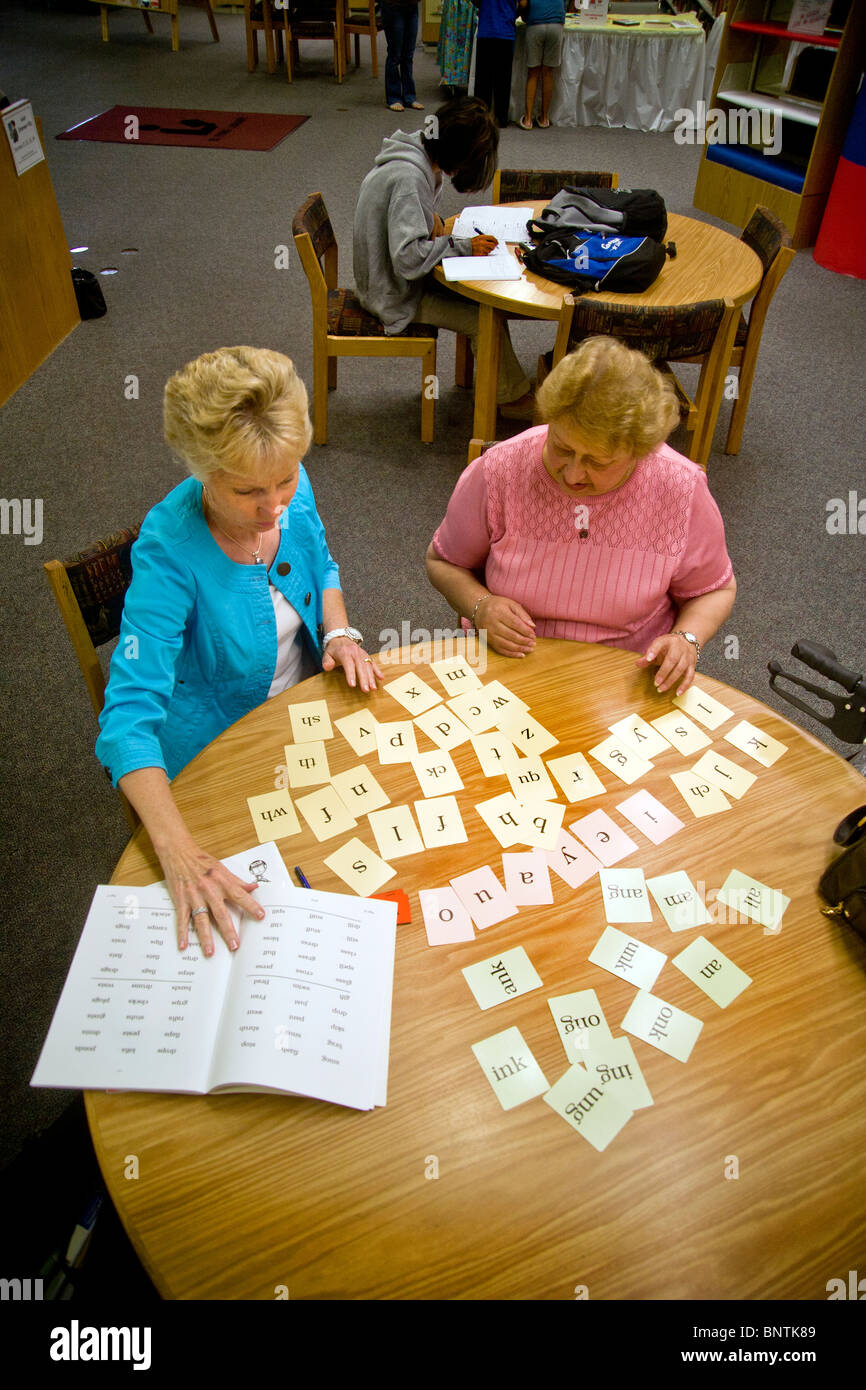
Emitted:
<point x="394" y="247"/>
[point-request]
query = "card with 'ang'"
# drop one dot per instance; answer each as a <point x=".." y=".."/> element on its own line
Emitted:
<point x="510" y="1068"/>
<point x="623" y="892"/>
<point x="628" y="958"/>
<point x="500" y="978"/>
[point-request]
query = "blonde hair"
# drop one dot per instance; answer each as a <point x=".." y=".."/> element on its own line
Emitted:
<point x="613" y="395"/>
<point x="238" y="410"/>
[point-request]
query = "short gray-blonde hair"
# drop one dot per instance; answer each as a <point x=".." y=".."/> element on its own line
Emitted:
<point x="613" y="395"/>
<point x="238" y="410"/>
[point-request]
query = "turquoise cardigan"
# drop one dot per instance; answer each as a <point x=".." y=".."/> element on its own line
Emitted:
<point x="198" y="641"/>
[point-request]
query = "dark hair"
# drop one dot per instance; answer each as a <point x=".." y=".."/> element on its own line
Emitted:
<point x="466" y="143"/>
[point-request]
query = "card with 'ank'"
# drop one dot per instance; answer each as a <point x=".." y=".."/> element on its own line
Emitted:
<point x="500" y="978"/>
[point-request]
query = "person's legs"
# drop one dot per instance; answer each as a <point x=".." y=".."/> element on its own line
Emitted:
<point x="484" y="71"/>
<point x="531" y="86"/>
<point x="547" y="76"/>
<point x="407" y="54"/>
<point x="393" y="22"/>
<point x="502" y="80"/>
<point x="445" y="309"/>
<point x="551" y="61"/>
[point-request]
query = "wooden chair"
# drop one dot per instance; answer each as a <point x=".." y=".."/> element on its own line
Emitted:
<point x="342" y="327"/>
<point x="701" y="333"/>
<point x="315" y="19"/>
<point x="768" y="237"/>
<point x="360" y="24"/>
<point x="170" y="11"/>
<point x="90" y="588"/>
<point x="529" y="185"/>
<point x="259" y="18"/>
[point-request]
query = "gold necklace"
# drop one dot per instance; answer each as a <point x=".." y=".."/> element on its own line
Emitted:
<point x="256" y="554"/>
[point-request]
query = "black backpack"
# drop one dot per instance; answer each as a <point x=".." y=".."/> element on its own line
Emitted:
<point x="624" y="211"/>
<point x="600" y="238"/>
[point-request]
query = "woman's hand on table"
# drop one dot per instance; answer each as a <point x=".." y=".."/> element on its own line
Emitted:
<point x="676" y="659"/>
<point x="360" y="669"/>
<point x="508" y="627"/>
<point x="195" y="879"/>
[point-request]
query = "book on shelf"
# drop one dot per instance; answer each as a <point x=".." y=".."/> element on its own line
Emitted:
<point x="303" y="1007"/>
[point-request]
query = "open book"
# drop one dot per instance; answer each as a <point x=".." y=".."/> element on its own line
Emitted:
<point x="303" y="1006"/>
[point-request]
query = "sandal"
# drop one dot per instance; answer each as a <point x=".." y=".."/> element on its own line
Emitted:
<point x="544" y="125"/>
<point x="524" y="124"/>
<point x="397" y="106"/>
<point x="416" y="106"/>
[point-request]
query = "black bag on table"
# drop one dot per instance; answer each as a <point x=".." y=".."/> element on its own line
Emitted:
<point x="633" y="212"/>
<point x="593" y="239"/>
<point x="843" y="885"/>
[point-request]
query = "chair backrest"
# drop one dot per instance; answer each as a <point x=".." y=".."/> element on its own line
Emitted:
<point x="512" y="185"/>
<point x="317" y="248"/>
<point x="768" y="238"/>
<point x="659" y="331"/>
<point x="90" y="588"/>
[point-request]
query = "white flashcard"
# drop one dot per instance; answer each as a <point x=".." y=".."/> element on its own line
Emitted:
<point x="662" y="1025"/>
<point x="529" y="781"/>
<point x="646" y="741"/>
<point x="624" y="894"/>
<point x="473" y="709"/>
<point x="678" y="900"/>
<point x="495" y="753"/>
<point x="613" y="1063"/>
<point x="503" y="977"/>
<point x="359" y="791"/>
<point x="754" y="899"/>
<point x="701" y="796"/>
<point x="576" y="777"/>
<point x="502" y="816"/>
<point x="603" y="838"/>
<point x="711" y="970"/>
<point x="273" y="816"/>
<point x="540" y="823"/>
<point x="510" y="1068"/>
<point x="526" y="733"/>
<point x="595" y="1112"/>
<point x="483" y="896"/>
<point x="445" y="918"/>
<point x="360" y="868"/>
<point x="703" y="707"/>
<point x="412" y="693"/>
<point x="310" y="721"/>
<point x="728" y="776"/>
<point x="758" y="745"/>
<point x="306" y="764"/>
<point x="572" y="861"/>
<point x="682" y="733"/>
<point x="455" y="674"/>
<point x="359" y="731"/>
<point x="649" y="816"/>
<point x="628" y="958"/>
<point x="440" y="822"/>
<point x="396" y="832"/>
<point x="527" y="878"/>
<point x="436" y="772"/>
<point x="395" y="741"/>
<point x="579" y="1022"/>
<point x="443" y="727"/>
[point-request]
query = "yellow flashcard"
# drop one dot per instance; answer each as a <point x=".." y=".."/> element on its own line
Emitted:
<point x="529" y="781"/>
<point x="526" y="733"/>
<point x="576" y="777"/>
<point x="395" y="741"/>
<point x="396" y="832"/>
<point x="413" y="694"/>
<point x="641" y="736"/>
<point x="540" y="823"/>
<point x="360" y="868"/>
<point x="325" y="813"/>
<point x="701" y="797"/>
<point x="701" y="706"/>
<point x="495" y="753"/>
<point x="455" y="674"/>
<point x="474" y="710"/>
<point x="273" y="816"/>
<point x="760" y="746"/>
<point x="682" y="733"/>
<point x="359" y="730"/>
<point x="620" y="759"/>
<point x="503" y="818"/>
<point x="306" y="764"/>
<point x="443" y="727"/>
<point x="310" y="721"/>
<point x="723" y="773"/>
<point x="359" y="791"/>
<point x="440" y="822"/>
<point x="436" y="773"/>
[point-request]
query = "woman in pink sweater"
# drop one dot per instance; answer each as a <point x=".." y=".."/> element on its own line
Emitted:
<point x="589" y="526"/>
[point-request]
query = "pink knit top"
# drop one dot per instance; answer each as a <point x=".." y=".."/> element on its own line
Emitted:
<point x="646" y="547"/>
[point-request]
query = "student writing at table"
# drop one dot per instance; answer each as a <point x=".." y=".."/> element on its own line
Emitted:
<point x="232" y="581"/>
<point x="589" y="526"/>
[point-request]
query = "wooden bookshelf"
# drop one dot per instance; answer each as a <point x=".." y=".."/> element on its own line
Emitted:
<point x="794" y="184"/>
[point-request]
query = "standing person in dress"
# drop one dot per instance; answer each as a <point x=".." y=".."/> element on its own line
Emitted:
<point x="454" y="50"/>
<point x="400" y="22"/>
<point x="545" y="27"/>
<point x="494" y="54"/>
<point x="589" y="527"/>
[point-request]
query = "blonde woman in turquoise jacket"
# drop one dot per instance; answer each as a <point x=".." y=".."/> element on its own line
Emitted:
<point x="234" y="598"/>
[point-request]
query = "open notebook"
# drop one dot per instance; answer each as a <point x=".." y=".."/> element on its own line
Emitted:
<point x="303" y="1006"/>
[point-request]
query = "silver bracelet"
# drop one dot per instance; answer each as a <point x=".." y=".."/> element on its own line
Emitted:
<point x="475" y="609"/>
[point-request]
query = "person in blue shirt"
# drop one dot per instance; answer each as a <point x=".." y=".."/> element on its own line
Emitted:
<point x="545" y="26"/>
<point x="494" y="54"/>
<point x="234" y="598"/>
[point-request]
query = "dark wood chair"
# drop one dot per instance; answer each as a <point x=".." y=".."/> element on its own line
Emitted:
<point x="529" y="185"/>
<point x="90" y="588"/>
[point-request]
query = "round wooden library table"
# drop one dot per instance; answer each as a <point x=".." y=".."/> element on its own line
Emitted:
<point x="743" y="1181"/>
<point x="709" y="264"/>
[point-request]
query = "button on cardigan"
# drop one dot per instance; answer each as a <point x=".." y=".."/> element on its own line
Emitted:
<point x="198" y="641"/>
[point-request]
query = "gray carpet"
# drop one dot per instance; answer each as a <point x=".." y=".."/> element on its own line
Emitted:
<point x="205" y="226"/>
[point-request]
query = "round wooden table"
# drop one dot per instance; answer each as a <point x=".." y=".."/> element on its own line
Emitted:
<point x="709" y="264"/>
<point x="239" y="1194"/>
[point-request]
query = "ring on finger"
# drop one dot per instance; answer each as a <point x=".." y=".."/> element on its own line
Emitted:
<point x="196" y="910"/>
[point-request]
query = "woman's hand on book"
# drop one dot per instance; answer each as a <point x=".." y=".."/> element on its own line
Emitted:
<point x="196" y="880"/>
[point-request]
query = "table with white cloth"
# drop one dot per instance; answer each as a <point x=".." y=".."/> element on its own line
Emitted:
<point x="638" y="77"/>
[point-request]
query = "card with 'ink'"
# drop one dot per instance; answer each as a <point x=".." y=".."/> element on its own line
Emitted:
<point x="510" y="1068"/>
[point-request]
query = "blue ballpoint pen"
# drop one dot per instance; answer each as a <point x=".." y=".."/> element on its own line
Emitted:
<point x="300" y="877"/>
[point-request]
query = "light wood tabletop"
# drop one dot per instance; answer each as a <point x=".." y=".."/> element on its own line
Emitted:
<point x="744" y="1180"/>
<point x="709" y="264"/>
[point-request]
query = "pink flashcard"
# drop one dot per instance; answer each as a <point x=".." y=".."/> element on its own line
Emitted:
<point x="484" y="898"/>
<point x="650" y="817"/>
<point x="571" y="861"/>
<point x="445" y="917"/>
<point x="527" y="878"/>
<point x="604" y="837"/>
